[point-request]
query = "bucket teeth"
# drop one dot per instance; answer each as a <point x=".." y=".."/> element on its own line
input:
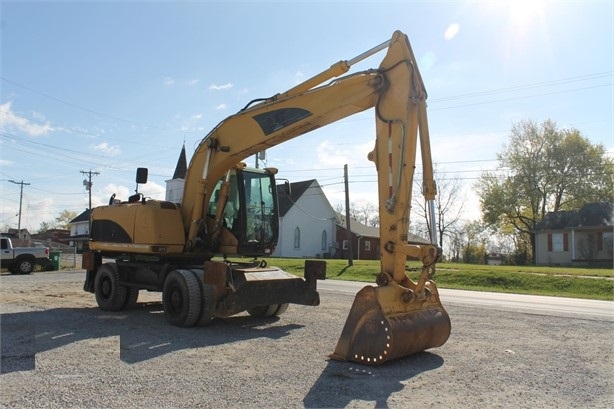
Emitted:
<point x="383" y="325"/>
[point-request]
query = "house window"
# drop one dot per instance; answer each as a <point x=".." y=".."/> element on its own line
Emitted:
<point x="345" y="245"/>
<point x="297" y="238"/>
<point x="600" y="241"/>
<point x="367" y="245"/>
<point x="608" y="241"/>
<point x="324" y="240"/>
<point x="558" y="242"/>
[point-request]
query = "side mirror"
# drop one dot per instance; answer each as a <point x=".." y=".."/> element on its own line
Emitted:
<point x="285" y="188"/>
<point x="141" y="175"/>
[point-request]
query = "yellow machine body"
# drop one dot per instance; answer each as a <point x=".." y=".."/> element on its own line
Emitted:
<point x="152" y="227"/>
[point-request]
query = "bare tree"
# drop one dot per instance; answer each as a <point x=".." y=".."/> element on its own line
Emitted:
<point x="449" y="204"/>
<point x="362" y="211"/>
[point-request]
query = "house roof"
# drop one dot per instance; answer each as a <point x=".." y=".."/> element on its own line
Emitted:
<point x="357" y="227"/>
<point x="297" y="189"/>
<point x="590" y="215"/>
<point x="182" y="165"/>
<point x="360" y="229"/>
<point x="83" y="217"/>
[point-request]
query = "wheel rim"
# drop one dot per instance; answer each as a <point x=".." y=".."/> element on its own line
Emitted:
<point x="106" y="288"/>
<point x="176" y="300"/>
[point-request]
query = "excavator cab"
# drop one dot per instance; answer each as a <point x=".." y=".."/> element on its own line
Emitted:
<point x="247" y="208"/>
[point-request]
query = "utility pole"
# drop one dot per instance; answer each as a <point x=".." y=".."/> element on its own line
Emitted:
<point x="347" y="216"/>
<point x="88" y="184"/>
<point x="22" y="183"/>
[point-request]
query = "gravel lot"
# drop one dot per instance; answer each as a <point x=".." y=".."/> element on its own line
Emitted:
<point x="60" y="351"/>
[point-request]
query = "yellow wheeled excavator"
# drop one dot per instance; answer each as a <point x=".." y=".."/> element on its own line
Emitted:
<point x="229" y="209"/>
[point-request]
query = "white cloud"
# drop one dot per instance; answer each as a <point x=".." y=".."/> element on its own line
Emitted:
<point x="451" y="31"/>
<point x="36" y="212"/>
<point x="220" y="107"/>
<point x="153" y="190"/>
<point x="192" y="123"/>
<point x="299" y="77"/>
<point x="220" y="87"/>
<point x="168" y="81"/>
<point x="330" y="155"/>
<point x="193" y="82"/>
<point x="104" y="147"/>
<point x="4" y="162"/>
<point x="10" y="120"/>
<point x="149" y="190"/>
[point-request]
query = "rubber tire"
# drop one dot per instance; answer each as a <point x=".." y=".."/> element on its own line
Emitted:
<point x="181" y="298"/>
<point x="207" y="293"/>
<point x="267" y="311"/>
<point x="132" y="296"/>
<point x="110" y="295"/>
<point x="24" y="266"/>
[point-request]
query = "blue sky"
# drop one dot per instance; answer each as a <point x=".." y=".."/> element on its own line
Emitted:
<point x="110" y="86"/>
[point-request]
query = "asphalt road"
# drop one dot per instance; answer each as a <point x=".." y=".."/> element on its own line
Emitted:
<point x="532" y="304"/>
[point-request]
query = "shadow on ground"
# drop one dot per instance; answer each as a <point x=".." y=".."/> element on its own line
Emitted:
<point x="342" y="382"/>
<point x="144" y="333"/>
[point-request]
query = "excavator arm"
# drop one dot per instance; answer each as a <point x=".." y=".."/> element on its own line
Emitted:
<point x="399" y="316"/>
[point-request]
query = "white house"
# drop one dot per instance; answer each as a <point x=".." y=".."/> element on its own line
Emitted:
<point x="80" y="230"/>
<point x="307" y="223"/>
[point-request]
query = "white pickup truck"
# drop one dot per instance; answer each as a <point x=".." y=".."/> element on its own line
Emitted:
<point x="21" y="260"/>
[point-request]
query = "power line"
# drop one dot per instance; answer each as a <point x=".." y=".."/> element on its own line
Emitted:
<point x="526" y="86"/>
<point x="91" y="111"/>
<point x="520" y="97"/>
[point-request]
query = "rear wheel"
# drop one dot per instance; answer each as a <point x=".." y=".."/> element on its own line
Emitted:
<point x="24" y="266"/>
<point x="268" y="310"/>
<point x="181" y="298"/>
<point x="110" y="295"/>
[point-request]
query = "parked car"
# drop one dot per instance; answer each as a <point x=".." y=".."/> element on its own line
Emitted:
<point x="21" y="260"/>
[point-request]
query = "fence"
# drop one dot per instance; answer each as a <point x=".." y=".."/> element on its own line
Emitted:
<point x="68" y="258"/>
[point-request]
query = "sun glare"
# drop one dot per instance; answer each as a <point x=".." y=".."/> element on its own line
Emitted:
<point x="524" y="12"/>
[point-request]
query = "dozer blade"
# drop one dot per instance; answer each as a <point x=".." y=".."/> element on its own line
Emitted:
<point x="391" y="322"/>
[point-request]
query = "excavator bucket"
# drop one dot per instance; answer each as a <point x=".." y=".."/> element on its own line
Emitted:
<point x="391" y="322"/>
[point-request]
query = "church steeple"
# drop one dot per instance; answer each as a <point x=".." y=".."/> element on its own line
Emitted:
<point x="174" y="186"/>
<point x="182" y="165"/>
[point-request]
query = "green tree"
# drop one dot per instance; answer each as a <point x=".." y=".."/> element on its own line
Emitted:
<point x="44" y="226"/>
<point x="63" y="220"/>
<point x="60" y="222"/>
<point x="548" y="169"/>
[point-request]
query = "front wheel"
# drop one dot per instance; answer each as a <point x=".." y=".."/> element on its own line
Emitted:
<point x="207" y="295"/>
<point x="110" y="294"/>
<point x="181" y="298"/>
